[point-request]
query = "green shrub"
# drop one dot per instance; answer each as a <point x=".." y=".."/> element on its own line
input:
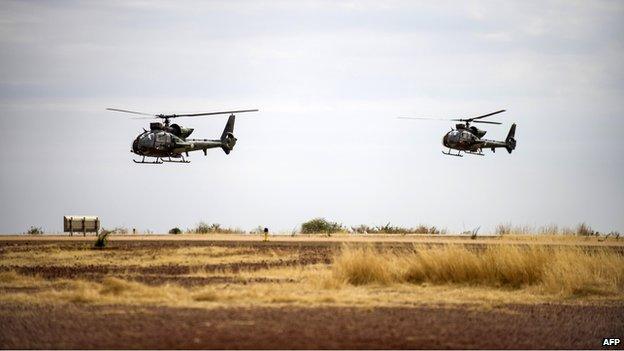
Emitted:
<point x="320" y="225"/>
<point x="34" y="230"/>
<point x="175" y="230"/>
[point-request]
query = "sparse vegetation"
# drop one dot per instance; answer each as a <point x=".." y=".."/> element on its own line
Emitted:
<point x="392" y="229"/>
<point x="615" y="235"/>
<point x="320" y="225"/>
<point x="175" y="230"/>
<point x="508" y="228"/>
<point x="205" y="228"/>
<point x="584" y="229"/>
<point x="34" y="230"/>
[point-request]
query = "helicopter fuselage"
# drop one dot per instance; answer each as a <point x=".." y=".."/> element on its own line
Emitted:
<point x="166" y="144"/>
<point x="171" y="141"/>
<point x="469" y="139"/>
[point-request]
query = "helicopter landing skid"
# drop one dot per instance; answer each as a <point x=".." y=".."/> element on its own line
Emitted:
<point x="174" y="161"/>
<point x="475" y="153"/>
<point x="458" y="154"/>
<point x="156" y="162"/>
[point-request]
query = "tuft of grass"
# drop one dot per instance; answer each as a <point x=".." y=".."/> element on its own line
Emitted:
<point x="364" y="265"/>
<point x="584" y="229"/>
<point x="567" y="271"/>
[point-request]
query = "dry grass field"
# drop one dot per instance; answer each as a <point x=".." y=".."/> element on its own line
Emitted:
<point x="225" y="291"/>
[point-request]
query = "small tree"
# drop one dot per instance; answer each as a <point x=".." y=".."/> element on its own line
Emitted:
<point x="202" y="228"/>
<point x="320" y="225"/>
<point x="175" y="230"/>
<point x="34" y="230"/>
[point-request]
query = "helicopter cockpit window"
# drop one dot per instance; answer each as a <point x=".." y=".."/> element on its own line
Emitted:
<point x="466" y="136"/>
<point x="146" y="140"/>
<point x="454" y="136"/>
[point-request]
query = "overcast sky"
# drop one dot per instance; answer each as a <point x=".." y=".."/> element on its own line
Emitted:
<point x="330" y="78"/>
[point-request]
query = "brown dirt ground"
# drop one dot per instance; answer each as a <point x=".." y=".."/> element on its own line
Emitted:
<point x="122" y="327"/>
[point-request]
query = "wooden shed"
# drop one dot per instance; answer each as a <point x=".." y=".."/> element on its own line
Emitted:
<point x="81" y="224"/>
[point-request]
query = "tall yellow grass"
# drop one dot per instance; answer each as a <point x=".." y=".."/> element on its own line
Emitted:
<point x="558" y="270"/>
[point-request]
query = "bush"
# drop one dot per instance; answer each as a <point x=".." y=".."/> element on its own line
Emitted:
<point x="101" y="240"/>
<point x="320" y="225"/>
<point x="205" y="228"/>
<point x="175" y="230"/>
<point x="34" y="230"/>
<point x="390" y="229"/>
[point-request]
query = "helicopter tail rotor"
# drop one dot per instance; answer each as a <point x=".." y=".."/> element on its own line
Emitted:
<point x="510" y="141"/>
<point x="227" y="137"/>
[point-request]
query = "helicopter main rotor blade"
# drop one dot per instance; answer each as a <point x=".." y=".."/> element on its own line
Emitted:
<point x="488" y="122"/>
<point x="133" y="112"/>
<point x="487" y="115"/>
<point x="426" y="118"/>
<point x="207" y="113"/>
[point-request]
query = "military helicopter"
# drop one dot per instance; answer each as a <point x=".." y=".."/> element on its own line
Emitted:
<point x="468" y="138"/>
<point x="164" y="141"/>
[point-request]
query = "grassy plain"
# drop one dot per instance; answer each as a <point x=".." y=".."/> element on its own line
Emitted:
<point x="217" y="274"/>
<point x="225" y="272"/>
